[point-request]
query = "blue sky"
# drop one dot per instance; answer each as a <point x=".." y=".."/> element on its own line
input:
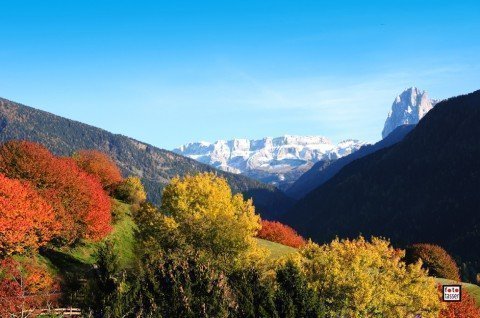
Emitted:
<point x="170" y="72"/>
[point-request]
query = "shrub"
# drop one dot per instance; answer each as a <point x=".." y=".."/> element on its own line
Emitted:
<point x="25" y="286"/>
<point x="100" y="165"/>
<point x="27" y="221"/>
<point x="106" y="290"/>
<point x="181" y="286"/>
<point x="356" y="278"/>
<point x="81" y="205"/>
<point x="254" y="295"/>
<point x="294" y="298"/>
<point x="280" y="233"/>
<point x="131" y="191"/>
<point x="467" y="308"/>
<point x="438" y="262"/>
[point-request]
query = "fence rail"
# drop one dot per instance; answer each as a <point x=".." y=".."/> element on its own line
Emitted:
<point x="64" y="312"/>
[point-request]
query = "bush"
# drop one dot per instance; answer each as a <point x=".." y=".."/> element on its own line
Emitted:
<point x="80" y="204"/>
<point x="294" y="298"/>
<point x="467" y="308"/>
<point x="25" y="286"/>
<point x="27" y="221"/>
<point x="100" y="165"/>
<point x="356" y="278"/>
<point x="106" y="290"/>
<point x="181" y="286"/>
<point x="131" y="191"/>
<point x="435" y="259"/>
<point x="280" y="233"/>
<point x="254" y="295"/>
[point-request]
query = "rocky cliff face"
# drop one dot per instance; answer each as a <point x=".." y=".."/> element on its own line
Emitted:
<point x="407" y="109"/>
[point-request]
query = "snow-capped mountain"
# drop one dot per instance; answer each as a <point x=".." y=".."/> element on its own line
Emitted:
<point x="407" y="109"/>
<point x="278" y="160"/>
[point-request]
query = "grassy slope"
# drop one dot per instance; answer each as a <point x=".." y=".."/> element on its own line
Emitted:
<point x="79" y="259"/>
<point x="276" y="250"/>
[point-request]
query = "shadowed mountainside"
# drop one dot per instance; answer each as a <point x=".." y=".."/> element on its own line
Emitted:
<point x="426" y="188"/>
<point x="323" y="171"/>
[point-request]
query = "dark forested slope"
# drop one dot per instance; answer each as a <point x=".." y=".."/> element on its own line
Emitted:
<point x="425" y="188"/>
<point x="323" y="171"/>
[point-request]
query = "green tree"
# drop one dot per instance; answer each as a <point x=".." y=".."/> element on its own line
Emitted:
<point x="254" y="294"/>
<point x="172" y="285"/>
<point x="294" y="298"/>
<point x="106" y="291"/>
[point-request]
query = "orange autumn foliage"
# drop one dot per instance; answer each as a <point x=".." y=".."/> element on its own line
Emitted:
<point x="434" y="258"/>
<point x="25" y="286"/>
<point x="81" y="205"/>
<point x="27" y="221"/>
<point x="467" y="308"/>
<point x="280" y="233"/>
<point x="100" y="165"/>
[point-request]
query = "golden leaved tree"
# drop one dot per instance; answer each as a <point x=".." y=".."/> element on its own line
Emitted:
<point x="360" y="278"/>
<point x="199" y="213"/>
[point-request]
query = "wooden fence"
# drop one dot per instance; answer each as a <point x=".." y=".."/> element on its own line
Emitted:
<point x="63" y="312"/>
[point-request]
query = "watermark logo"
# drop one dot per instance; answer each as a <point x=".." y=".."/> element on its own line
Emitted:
<point x="452" y="293"/>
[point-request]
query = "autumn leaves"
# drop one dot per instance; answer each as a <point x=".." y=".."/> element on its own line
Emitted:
<point x="45" y="198"/>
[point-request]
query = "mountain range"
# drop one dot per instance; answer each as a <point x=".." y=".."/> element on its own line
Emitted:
<point x="289" y="161"/>
<point x="155" y="166"/>
<point x="279" y="161"/>
<point x="424" y="188"/>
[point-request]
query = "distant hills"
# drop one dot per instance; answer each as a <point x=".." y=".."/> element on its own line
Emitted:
<point x="425" y="188"/>
<point x="155" y="166"/>
<point x="279" y="161"/>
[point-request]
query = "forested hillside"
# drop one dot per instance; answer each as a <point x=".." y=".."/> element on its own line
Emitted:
<point x="155" y="166"/>
<point x="323" y="171"/>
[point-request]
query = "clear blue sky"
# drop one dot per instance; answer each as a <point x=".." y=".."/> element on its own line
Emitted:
<point x="170" y="72"/>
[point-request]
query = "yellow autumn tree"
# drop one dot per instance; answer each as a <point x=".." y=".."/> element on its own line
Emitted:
<point x="360" y="278"/>
<point x="200" y="213"/>
<point x="131" y="190"/>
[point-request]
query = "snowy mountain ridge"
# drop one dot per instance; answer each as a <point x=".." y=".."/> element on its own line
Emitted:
<point x="274" y="160"/>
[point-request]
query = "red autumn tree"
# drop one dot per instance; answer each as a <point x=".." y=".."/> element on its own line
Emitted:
<point x="438" y="262"/>
<point x="27" y="221"/>
<point x="280" y="233"/>
<point x="467" y="308"/>
<point x="25" y="286"/>
<point x="100" y="165"/>
<point x="81" y="205"/>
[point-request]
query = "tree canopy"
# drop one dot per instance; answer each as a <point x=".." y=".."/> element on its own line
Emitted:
<point x="360" y="278"/>
<point x="27" y="221"/>
<point x="80" y="204"/>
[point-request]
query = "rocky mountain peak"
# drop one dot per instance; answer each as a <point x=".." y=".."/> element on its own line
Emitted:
<point x="407" y="109"/>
